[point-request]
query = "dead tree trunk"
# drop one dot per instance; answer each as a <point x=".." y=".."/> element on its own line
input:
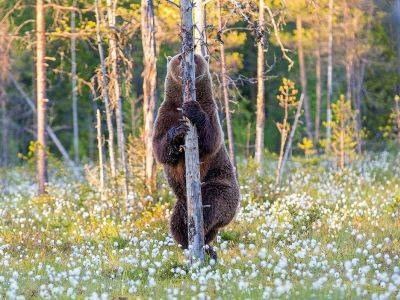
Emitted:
<point x="4" y="130"/>
<point x="41" y="96"/>
<point x="104" y="87"/>
<point x="111" y="7"/>
<point x="318" y="91"/>
<point x="200" y="38"/>
<point x="224" y="76"/>
<point x="149" y="86"/>
<point x="193" y="186"/>
<point x="260" y="118"/>
<point x="100" y="152"/>
<point x="303" y="75"/>
<point x="74" y="87"/>
<point x="329" y="77"/>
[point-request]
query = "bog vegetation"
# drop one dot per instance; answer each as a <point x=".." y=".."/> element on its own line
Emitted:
<point x="309" y="100"/>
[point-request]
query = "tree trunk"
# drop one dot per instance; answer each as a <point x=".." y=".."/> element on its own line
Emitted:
<point x="74" y="86"/>
<point x="4" y="130"/>
<point x="348" y="52"/>
<point x="260" y="122"/>
<point x="224" y="76"/>
<point x="329" y="76"/>
<point x="397" y="33"/>
<point x="318" y="91"/>
<point x="41" y="96"/>
<point x="200" y="38"/>
<point x="104" y="87"/>
<point x="193" y="186"/>
<point x="111" y="7"/>
<point x="303" y="75"/>
<point x="149" y="86"/>
<point x="100" y="152"/>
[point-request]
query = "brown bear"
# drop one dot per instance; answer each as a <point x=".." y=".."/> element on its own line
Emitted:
<point x="219" y="189"/>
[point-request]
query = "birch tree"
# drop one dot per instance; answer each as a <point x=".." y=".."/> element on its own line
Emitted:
<point x="149" y="85"/>
<point x="192" y="164"/>
<point x="260" y="114"/>
<point x="74" y="86"/>
<point x="111" y="7"/>
<point x="41" y="96"/>
<point x="329" y="76"/>
<point x="200" y="38"/>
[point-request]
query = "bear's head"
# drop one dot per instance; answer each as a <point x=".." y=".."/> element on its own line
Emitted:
<point x="174" y="69"/>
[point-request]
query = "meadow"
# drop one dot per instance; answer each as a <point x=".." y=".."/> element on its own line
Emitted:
<point x="324" y="234"/>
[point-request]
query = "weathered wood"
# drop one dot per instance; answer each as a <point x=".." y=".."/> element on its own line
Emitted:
<point x="74" y="86"/>
<point x="100" y="152"/>
<point x="123" y="166"/>
<point x="329" y="77"/>
<point x="104" y="87"/>
<point x="193" y="185"/>
<point x="200" y="38"/>
<point x="149" y="86"/>
<point x="41" y="96"/>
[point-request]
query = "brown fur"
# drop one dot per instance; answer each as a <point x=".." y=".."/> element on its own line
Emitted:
<point x="220" y="191"/>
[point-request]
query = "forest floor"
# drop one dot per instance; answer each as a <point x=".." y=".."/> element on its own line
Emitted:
<point x="323" y="234"/>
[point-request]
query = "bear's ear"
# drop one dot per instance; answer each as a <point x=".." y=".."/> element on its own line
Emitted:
<point x="168" y="59"/>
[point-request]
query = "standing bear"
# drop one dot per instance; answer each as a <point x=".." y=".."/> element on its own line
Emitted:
<point x="219" y="189"/>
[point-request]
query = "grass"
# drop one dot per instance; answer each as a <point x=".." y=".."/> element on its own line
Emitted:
<point x="324" y="234"/>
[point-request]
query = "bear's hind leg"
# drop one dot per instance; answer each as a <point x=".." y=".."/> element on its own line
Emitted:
<point x="178" y="225"/>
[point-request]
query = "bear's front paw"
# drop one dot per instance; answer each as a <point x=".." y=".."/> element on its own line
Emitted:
<point x="192" y="110"/>
<point x="177" y="134"/>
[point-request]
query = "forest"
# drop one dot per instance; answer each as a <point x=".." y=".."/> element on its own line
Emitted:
<point x="307" y="97"/>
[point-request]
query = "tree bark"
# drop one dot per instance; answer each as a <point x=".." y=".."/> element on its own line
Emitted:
<point x="149" y="86"/>
<point x="111" y="7"/>
<point x="193" y="186"/>
<point x="41" y="96"/>
<point x="224" y="76"/>
<point x="104" y="87"/>
<point x="329" y="76"/>
<point x="260" y="118"/>
<point x="74" y="87"/>
<point x="4" y="130"/>
<point x="318" y="92"/>
<point x="303" y="75"/>
<point x="200" y="38"/>
<point x="100" y="152"/>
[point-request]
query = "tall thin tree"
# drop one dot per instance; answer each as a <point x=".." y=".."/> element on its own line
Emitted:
<point x="74" y="85"/>
<point x="41" y="96"/>
<point x="104" y="87"/>
<point x="329" y="75"/>
<point x="224" y="75"/>
<point x="260" y="115"/>
<point x="303" y="74"/>
<point x="111" y="8"/>
<point x="192" y="163"/>
<point x="200" y="38"/>
<point x="149" y="85"/>
<point x="318" y="89"/>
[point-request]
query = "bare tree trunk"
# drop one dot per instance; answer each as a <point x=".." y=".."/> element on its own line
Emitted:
<point x="318" y="91"/>
<point x="329" y="76"/>
<point x="260" y="122"/>
<point x="41" y="96"/>
<point x="149" y="86"/>
<point x="111" y="7"/>
<point x="397" y="114"/>
<point x="104" y="87"/>
<point x="193" y="186"/>
<point x="74" y="86"/>
<point x="224" y="76"/>
<point x="4" y="130"/>
<point x="397" y="33"/>
<point x="291" y="136"/>
<point x="348" y="51"/>
<point x="100" y="152"/>
<point x="303" y="75"/>
<point x="200" y="38"/>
